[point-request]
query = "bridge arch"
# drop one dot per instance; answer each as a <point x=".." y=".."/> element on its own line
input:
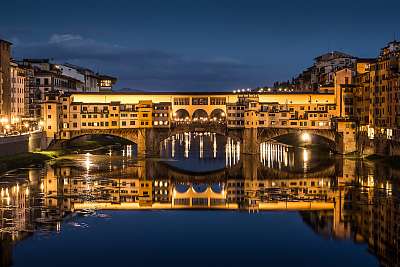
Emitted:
<point x="327" y="136"/>
<point x="218" y="115"/>
<point x="130" y="135"/>
<point x="199" y="114"/>
<point x="181" y="114"/>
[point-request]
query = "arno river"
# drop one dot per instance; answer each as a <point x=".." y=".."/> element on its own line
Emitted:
<point x="203" y="203"/>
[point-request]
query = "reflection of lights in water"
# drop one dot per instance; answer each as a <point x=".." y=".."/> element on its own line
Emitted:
<point x="110" y="152"/>
<point x="305" y="155"/>
<point x="227" y="153"/>
<point x="165" y="144"/>
<point x="371" y="182"/>
<point x="186" y="146"/>
<point x="388" y="188"/>
<point x="232" y="152"/>
<point x="129" y="151"/>
<point x="201" y="147"/>
<point x="238" y="150"/>
<point x="87" y="161"/>
<point x="27" y="191"/>
<point x="173" y="147"/>
<point x="214" y="146"/>
<point x="274" y="155"/>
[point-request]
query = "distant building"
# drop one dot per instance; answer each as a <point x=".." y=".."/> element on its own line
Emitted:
<point x="90" y="80"/>
<point x="18" y="93"/>
<point x="106" y="83"/>
<point x="321" y="75"/>
<point x="327" y="64"/>
<point x="5" y="82"/>
<point x="54" y="81"/>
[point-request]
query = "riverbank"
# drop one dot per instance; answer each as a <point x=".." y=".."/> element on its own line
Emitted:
<point x="392" y="161"/>
<point x="26" y="159"/>
<point x="95" y="143"/>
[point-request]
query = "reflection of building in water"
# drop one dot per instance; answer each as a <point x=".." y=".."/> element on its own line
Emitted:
<point x="342" y="205"/>
<point x="377" y="217"/>
<point x="154" y="185"/>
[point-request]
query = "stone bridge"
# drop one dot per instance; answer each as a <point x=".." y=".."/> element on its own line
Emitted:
<point x="149" y="140"/>
<point x="266" y="134"/>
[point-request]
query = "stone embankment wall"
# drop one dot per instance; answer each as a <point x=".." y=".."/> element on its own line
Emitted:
<point x="12" y="145"/>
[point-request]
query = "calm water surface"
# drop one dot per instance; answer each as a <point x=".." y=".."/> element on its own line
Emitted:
<point x="203" y="203"/>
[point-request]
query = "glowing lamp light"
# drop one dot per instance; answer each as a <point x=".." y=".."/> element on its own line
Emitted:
<point x="306" y="137"/>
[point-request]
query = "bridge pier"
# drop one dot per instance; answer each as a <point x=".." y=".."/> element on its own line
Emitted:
<point x="250" y="141"/>
<point x="149" y="142"/>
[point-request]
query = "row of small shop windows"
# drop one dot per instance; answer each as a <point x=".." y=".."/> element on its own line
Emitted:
<point x="310" y="115"/>
<point x="114" y="123"/>
<point x="294" y="183"/>
<point x="123" y="115"/>
<point x="283" y="123"/>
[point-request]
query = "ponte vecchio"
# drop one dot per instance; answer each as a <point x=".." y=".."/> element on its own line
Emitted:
<point x="248" y="116"/>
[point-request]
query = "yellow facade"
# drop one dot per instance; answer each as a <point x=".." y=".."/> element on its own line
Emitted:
<point x="89" y="111"/>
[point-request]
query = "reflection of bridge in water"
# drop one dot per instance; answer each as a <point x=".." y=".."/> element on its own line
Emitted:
<point x="247" y="184"/>
<point x="327" y="204"/>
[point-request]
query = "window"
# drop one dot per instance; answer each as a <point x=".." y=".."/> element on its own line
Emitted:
<point x="217" y="100"/>
<point x="114" y="123"/>
<point x="49" y="116"/>
<point x="181" y="101"/>
<point x="199" y="101"/>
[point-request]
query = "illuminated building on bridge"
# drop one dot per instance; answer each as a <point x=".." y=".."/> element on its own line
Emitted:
<point x="148" y="118"/>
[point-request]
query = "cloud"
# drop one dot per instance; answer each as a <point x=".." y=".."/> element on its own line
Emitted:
<point x="145" y="68"/>
<point x="59" y="38"/>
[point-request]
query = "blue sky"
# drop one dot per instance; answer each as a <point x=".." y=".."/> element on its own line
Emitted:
<point x="197" y="45"/>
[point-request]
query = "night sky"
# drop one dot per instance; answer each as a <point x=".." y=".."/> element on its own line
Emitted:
<point x="196" y="45"/>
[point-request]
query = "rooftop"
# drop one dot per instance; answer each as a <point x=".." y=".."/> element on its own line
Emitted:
<point x="5" y="41"/>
